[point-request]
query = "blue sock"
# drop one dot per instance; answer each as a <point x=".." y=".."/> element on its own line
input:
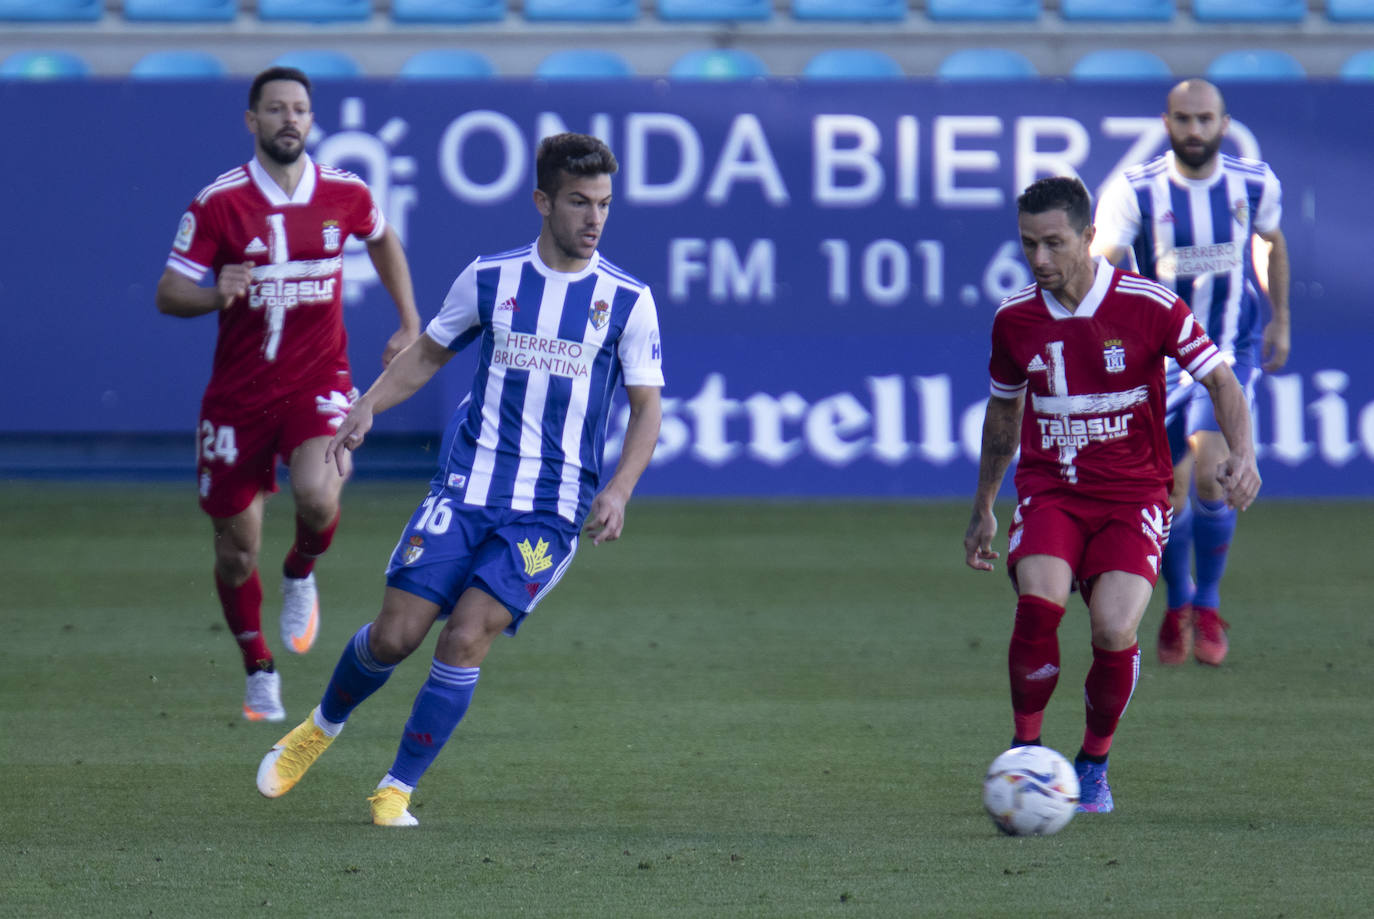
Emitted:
<point x="356" y="676"/>
<point x="441" y="704"/>
<point x="1178" y="559"/>
<point x="1213" y="528"/>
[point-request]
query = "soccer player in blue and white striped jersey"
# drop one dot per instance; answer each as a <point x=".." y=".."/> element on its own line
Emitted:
<point x="1205" y="224"/>
<point x="558" y="328"/>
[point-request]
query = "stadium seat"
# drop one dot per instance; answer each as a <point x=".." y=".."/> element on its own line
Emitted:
<point x="181" y="10"/>
<point x="445" y="64"/>
<point x="718" y="64"/>
<point x="1359" y="66"/>
<point x="850" y="10"/>
<point x="1350" y="10"/>
<point x="1250" y="10"/>
<point x="990" y="10"/>
<point x="315" y="10"/>
<point x="580" y="64"/>
<point x="1118" y="10"/>
<point x="852" y="64"/>
<point x="178" y="65"/>
<point x="44" y="65"/>
<point x="319" y="64"/>
<point x="721" y="10"/>
<point x="1255" y="65"/>
<point x="51" y="10"/>
<point x="986" y="64"/>
<point x="582" y="10"/>
<point x="1120" y="64"/>
<point x="448" y="10"/>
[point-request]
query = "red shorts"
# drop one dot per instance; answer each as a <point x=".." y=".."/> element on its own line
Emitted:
<point x="236" y="454"/>
<point x="1092" y="534"/>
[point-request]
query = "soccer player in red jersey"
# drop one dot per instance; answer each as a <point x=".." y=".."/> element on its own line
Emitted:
<point x="272" y="233"/>
<point x="1078" y="385"/>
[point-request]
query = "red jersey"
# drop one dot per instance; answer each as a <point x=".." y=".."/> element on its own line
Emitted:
<point x="1094" y="383"/>
<point x="289" y="329"/>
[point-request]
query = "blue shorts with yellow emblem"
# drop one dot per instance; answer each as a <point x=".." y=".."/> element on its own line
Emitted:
<point x="448" y="546"/>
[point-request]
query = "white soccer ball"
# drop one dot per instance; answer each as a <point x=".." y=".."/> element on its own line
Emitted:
<point x="1030" y="791"/>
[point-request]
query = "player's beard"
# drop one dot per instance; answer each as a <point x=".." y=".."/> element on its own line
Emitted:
<point x="280" y="154"/>
<point x="1195" y="159"/>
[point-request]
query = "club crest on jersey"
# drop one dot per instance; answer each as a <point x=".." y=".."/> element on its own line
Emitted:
<point x="1240" y="211"/>
<point x="332" y="236"/>
<point x="1114" y="355"/>
<point x="600" y="314"/>
<point x="412" y="552"/>
<point x="536" y="557"/>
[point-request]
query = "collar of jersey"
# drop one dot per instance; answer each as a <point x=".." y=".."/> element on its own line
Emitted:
<point x="273" y="192"/>
<point x="1181" y="179"/>
<point x="1102" y="280"/>
<point x="569" y="276"/>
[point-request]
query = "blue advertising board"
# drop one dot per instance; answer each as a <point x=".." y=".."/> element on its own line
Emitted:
<point x="826" y="259"/>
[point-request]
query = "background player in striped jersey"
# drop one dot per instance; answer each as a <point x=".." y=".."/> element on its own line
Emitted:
<point x="1078" y="384"/>
<point x="558" y="327"/>
<point x="272" y="232"/>
<point x="1205" y="224"/>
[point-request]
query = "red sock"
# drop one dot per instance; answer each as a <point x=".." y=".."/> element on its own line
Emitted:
<point x="243" y="613"/>
<point x="1033" y="663"/>
<point x="1107" y="691"/>
<point x="310" y="545"/>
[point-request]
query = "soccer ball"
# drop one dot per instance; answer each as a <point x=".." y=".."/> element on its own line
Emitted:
<point x="1030" y="791"/>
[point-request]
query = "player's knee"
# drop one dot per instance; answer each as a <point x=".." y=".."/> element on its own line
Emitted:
<point x="465" y="646"/>
<point x="234" y="564"/>
<point x="390" y="646"/>
<point x="1113" y="637"/>
<point x="1209" y="489"/>
<point x="317" y="506"/>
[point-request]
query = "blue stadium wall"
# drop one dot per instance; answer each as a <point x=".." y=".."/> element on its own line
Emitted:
<point x="826" y="260"/>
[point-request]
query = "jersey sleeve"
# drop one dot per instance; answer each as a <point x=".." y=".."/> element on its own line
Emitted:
<point x="195" y="244"/>
<point x="641" y="352"/>
<point x="1187" y="342"/>
<point x="1008" y="380"/>
<point x="367" y="220"/>
<point x="1117" y="222"/>
<point x="458" y="321"/>
<point x="1270" y="209"/>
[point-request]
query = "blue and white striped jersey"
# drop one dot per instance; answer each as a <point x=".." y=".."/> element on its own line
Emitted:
<point x="554" y="345"/>
<point x="1194" y="236"/>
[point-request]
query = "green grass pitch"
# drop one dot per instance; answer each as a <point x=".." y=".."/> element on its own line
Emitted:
<point x="753" y="709"/>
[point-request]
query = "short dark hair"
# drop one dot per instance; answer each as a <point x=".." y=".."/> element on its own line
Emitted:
<point x="575" y="154"/>
<point x="1061" y="193"/>
<point x="275" y="73"/>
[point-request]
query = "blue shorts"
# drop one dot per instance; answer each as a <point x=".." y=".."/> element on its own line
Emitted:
<point x="1188" y="409"/>
<point x="515" y="556"/>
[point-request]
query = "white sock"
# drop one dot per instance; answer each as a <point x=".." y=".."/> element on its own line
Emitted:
<point x="394" y="782"/>
<point x="330" y="728"/>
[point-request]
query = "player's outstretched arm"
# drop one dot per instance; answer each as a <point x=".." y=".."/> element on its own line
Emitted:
<point x="1001" y="435"/>
<point x="1271" y="267"/>
<point x="1238" y="475"/>
<point x="402" y="378"/>
<point x="178" y="295"/>
<point x="606" y="518"/>
<point x="389" y="258"/>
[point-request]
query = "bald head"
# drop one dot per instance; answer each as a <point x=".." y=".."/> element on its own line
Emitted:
<point x="1196" y="121"/>
<point x="1196" y="93"/>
